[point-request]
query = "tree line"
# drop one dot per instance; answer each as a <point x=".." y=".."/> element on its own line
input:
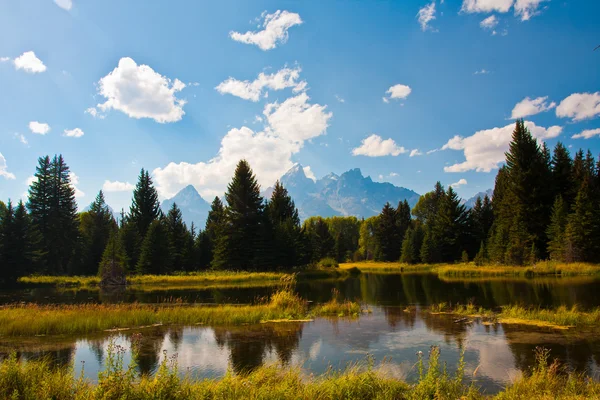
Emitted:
<point x="546" y="205"/>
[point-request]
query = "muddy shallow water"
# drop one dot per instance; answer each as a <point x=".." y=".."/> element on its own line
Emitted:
<point x="391" y="332"/>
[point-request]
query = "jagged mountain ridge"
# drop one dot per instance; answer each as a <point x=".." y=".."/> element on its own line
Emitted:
<point x="193" y="207"/>
<point x="470" y="203"/>
<point x="348" y="194"/>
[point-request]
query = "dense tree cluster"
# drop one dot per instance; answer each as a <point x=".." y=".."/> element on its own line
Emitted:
<point x="546" y="205"/>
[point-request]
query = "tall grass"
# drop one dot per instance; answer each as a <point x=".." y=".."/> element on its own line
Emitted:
<point x="35" y="319"/>
<point x="39" y="380"/>
<point x="188" y="279"/>
<point x="545" y="268"/>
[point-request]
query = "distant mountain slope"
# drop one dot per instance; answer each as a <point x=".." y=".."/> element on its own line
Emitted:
<point x="347" y="194"/>
<point x="193" y="207"/>
<point x="470" y="203"/>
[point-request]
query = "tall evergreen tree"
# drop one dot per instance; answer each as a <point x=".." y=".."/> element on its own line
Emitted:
<point x="95" y="228"/>
<point x="449" y="230"/>
<point x="583" y="228"/>
<point x="241" y="231"/>
<point x="321" y="241"/>
<point x="556" y="230"/>
<point x="286" y="225"/>
<point x="178" y="237"/>
<point x="387" y="235"/>
<point x="39" y="203"/>
<point x="206" y="240"/>
<point x="155" y="255"/>
<point x="145" y="207"/>
<point x="403" y="221"/>
<point x="562" y="171"/>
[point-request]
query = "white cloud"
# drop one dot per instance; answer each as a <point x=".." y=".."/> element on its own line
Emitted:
<point x="486" y="6"/>
<point x="586" y="134"/>
<point x="28" y="62"/>
<point x="527" y="8"/>
<point x="21" y="138"/>
<point x="64" y="4"/>
<point x="375" y="146"/>
<point x="94" y="113"/>
<point x="398" y="91"/>
<point x="309" y="174"/>
<point x="415" y="152"/>
<point x="527" y="107"/>
<point x="275" y="30"/>
<point x="296" y="120"/>
<point x="282" y="79"/>
<point x="489" y="23"/>
<point x="485" y="149"/>
<point x="117" y="186"/>
<point x="4" y="59"/>
<point x="425" y="15"/>
<point x="579" y="106"/>
<point x="393" y="174"/>
<point x="4" y="169"/>
<point x="39" y="127"/>
<point x="269" y="152"/>
<point x="75" y="133"/>
<point x="461" y="182"/>
<point x="340" y="99"/>
<point x="482" y="71"/>
<point x="74" y="183"/>
<point x="140" y="92"/>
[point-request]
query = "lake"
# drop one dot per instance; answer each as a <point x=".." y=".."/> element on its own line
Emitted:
<point x="391" y="334"/>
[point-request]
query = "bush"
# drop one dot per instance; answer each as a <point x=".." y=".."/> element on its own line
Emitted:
<point x="328" y="262"/>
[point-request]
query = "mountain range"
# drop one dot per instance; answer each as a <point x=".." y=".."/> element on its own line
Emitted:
<point x="348" y="194"/>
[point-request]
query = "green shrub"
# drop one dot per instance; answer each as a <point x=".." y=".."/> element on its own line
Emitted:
<point x="328" y="262"/>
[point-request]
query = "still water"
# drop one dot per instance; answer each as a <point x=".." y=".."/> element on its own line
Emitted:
<point x="392" y="332"/>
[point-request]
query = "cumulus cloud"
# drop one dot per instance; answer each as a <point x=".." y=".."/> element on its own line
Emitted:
<point x="461" y="182"/>
<point x="28" y="62"/>
<point x="269" y="152"/>
<point x="579" y="106"/>
<point x="64" y="4"/>
<point x="117" y="186"/>
<point x="485" y="149"/>
<point x="425" y="15"/>
<point x="4" y="59"/>
<point x="309" y="174"/>
<point x="489" y="23"/>
<point x="375" y="146"/>
<point x="140" y="92"/>
<point x="486" y="6"/>
<point x="39" y="127"/>
<point x="282" y="79"/>
<point x="75" y="133"/>
<point x="527" y="8"/>
<point x="398" y="91"/>
<point x="4" y="169"/>
<point x="296" y="120"/>
<point x="275" y="30"/>
<point x="586" y="134"/>
<point x="74" y="182"/>
<point x="527" y="107"/>
<point x="415" y="152"/>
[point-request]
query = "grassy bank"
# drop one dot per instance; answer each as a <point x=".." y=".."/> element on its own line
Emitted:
<point x="469" y="270"/>
<point x="560" y="318"/>
<point x="37" y="380"/>
<point x="35" y="319"/>
<point x="190" y="279"/>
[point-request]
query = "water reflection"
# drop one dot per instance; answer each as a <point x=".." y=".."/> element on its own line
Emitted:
<point x="498" y="353"/>
<point x="373" y="289"/>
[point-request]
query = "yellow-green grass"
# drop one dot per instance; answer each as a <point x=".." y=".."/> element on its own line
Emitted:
<point x="558" y="318"/>
<point x="35" y="319"/>
<point x="382" y="267"/>
<point x="40" y="380"/>
<point x="190" y="279"/>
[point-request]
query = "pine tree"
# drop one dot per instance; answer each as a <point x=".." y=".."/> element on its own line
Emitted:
<point x="95" y="228"/>
<point x="322" y="243"/>
<point x="387" y="235"/>
<point x="113" y="266"/>
<point x="145" y="207"/>
<point x="178" y="237"/>
<point x="583" y="227"/>
<point x="131" y="242"/>
<point x="39" y="203"/>
<point x="556" y="230"/>
<point x="403" y="221"/>
<point x="562" y="170"/>
<point x="241" y="231"/>
<point x="206" y="240"/>
<point x="481" y="257"/>
<point x="155" y="256"/>
<point x="285" y="222"/>
<point x="426" y="253"/>
<point x="408" y="250"/>
<point x="449" y="229"/>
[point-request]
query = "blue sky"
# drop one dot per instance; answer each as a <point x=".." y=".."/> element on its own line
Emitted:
<point x="187" y="88"/>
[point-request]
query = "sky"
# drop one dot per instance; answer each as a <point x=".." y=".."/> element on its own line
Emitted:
<point x="411" y="92"/>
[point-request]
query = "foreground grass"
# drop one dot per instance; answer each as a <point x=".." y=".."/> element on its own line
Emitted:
<point x="190" y="279"/>
<point x="561" y="317"/>
<point x="469" y="270"/>
<point x="39" y="380"/>
<point x="35" y="319"/>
